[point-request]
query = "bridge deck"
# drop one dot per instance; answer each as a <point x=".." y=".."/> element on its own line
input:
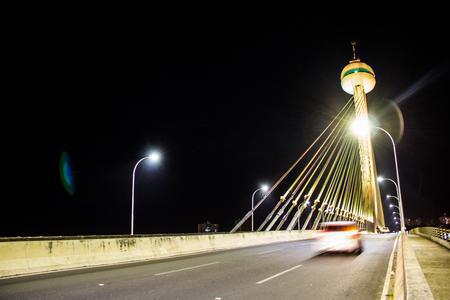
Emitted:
<point x="277" y="271"/>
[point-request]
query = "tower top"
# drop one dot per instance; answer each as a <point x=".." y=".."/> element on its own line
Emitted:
<point x="357" y="73"/>
<point x="354" y="50"/>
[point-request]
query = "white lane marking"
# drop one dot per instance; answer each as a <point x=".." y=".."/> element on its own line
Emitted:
<point x="270" y="251"/>
<point x="188" y="268"/>
<point x="101" y="284"/>
<point x="279" y="274"/>
<point x="387" y="280"/>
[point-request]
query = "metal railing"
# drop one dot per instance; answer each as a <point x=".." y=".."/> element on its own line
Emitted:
<point x="437" y="232"/>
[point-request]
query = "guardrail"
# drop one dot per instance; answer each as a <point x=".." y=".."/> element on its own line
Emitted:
<point x="436" y="234"/>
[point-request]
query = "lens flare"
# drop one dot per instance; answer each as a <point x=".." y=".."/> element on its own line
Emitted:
<point x="65" y="173"/>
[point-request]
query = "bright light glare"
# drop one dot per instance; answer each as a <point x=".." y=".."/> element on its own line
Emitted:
<point x="360" y="127"/>
<point x="154" y="157"/>
<point x="380" y="178"/>
<point x="264" y="188"/>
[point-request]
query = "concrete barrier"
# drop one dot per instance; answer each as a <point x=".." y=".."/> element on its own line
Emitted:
<point x="400" y="291"/>
<point x="25" y="256"/>
<point x="395" y="281"/>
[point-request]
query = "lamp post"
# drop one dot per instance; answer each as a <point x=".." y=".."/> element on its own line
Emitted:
<point x="402" y="219"/>
<point x="381" y="179"/>
<point x="392" y="205"/>
<point x="306" y="203"/>
<point x="399" y="191"/>
<point x="390" y="196"/>
<point x="154" y="157"/>
<point x="263" y="188"/>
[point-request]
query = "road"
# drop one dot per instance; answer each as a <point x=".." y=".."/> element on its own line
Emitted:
<point x="277" y="271"/>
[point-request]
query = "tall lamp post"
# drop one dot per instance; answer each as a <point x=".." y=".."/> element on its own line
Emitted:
<point x="263" y="188"/>
<point x="399" y="191"/>
<point x="154" y="157"/>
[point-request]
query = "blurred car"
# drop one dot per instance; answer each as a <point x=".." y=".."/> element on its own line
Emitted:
<point x="383" y="230"/>
<point x="340" y="236"/>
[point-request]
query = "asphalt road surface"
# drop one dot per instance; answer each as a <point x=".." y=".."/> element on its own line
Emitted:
<point x="277" y="271"/>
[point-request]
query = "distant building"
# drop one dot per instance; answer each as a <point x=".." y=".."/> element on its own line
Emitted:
<point x="409" y="222"/>
<point x="444" y="219"/>
<point x="207" y="227"/>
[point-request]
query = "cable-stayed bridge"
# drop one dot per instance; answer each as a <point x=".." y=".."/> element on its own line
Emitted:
<point x="336" y="175"/>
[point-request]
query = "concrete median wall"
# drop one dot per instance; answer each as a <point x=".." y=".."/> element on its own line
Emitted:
<point x="24" y="256"/>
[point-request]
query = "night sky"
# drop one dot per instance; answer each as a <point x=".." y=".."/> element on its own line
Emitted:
<point x="231" y="102"/>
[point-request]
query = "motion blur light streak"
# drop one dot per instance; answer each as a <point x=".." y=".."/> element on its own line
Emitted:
<point x="65" y="173"/>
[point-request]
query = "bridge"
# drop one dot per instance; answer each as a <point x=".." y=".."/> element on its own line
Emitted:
<point x="335" y="179"/>
<point x="338" y="177"/>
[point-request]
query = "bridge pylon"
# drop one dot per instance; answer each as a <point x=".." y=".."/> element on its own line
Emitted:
<point x="358" y="79"/>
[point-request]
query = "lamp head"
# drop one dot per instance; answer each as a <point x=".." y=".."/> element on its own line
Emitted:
<point x="264" y="188"/>
<point x="360" y="127"/>
<point x="154" y="157"/>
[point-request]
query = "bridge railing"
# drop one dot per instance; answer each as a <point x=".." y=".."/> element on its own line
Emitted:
<point x="436" y="234"/>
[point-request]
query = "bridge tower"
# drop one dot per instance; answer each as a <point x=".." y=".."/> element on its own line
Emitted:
<point x="358" y="79"/>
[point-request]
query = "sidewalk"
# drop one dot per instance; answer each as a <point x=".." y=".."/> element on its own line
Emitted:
<point x="427" y="267"/>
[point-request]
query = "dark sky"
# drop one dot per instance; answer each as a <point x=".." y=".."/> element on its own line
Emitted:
<point x="230" y="101"/>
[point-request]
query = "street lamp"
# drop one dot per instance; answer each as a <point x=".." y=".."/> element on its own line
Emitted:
<point x="154" y="158"/>
<point x="305" y="204"/>
<point x="399" y="191"/>
<point x="392" y="205"/>
<point x="361" y="127"/>
<point x="263" y="188"/>
<point x="397" y="188"/>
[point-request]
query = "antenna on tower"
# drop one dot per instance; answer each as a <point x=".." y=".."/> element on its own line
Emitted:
<point x="354" y="49"/>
